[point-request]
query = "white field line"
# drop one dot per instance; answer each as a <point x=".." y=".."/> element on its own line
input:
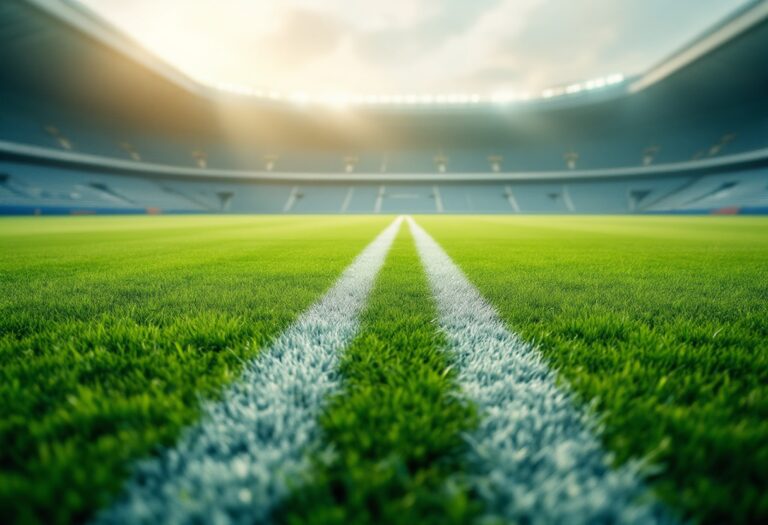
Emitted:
<point x="248" y="450"/>
<point x="536" y="457"/>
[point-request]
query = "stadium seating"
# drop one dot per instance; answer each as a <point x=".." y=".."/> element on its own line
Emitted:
<point x="30" y="189"/>
<point x="674" y="145"/>
<point x="123" y="139"/>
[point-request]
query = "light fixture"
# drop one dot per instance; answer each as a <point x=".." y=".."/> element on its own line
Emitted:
<point x="342" y="100"/>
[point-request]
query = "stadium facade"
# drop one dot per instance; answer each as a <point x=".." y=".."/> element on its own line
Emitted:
<point x="92" y="123"/>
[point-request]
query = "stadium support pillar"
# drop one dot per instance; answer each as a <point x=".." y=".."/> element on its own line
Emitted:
<point x="438" y="199"/>
<point x="291" y="200"/>
<point x="567" y="199"/>
<point x="379" y="199"/>
<point x="347" y="200"/>
<point x="511" y="198"/>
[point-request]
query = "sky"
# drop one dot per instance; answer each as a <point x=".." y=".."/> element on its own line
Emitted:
<point x="411" y="46"/>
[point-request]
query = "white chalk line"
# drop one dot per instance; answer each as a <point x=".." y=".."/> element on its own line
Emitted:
<point x="240" y="460"/>
<point x="536" y="457"/>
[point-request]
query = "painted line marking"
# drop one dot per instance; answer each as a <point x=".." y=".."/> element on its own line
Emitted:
<point x="236" y="464"/>
<point x="536" y="457"/>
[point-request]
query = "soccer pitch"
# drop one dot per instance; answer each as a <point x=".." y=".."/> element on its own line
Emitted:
<point x="356" y="369"/>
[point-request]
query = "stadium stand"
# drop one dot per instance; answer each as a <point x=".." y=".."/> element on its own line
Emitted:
<point x="128" y="134"/>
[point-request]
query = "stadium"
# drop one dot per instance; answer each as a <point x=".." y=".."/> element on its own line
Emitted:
<point x="232" y="303"/>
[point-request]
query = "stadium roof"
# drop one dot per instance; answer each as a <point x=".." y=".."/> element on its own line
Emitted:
<point x="411" y="50"/>
<point x="68" y="66"/>
<point x="55" y="51"/>
<point x="43" y="36"/>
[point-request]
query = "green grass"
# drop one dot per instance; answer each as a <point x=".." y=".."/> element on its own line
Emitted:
<point x="395" y="428"/>
<point x="662" y="321"/>
<point x="113" y="329"/>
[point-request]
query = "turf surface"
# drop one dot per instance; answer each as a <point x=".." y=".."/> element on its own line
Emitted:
<point x="661" y="322"/>
<point x="394" y="433"/>
<point x="113" y="329"/>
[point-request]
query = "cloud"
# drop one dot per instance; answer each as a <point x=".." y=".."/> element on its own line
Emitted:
<point x="528" y="45"/>
<point x="302" y="37"/>
<point x="411" y="45"/>
<point x="371" y="15"/>
<point x="405" y="44"/>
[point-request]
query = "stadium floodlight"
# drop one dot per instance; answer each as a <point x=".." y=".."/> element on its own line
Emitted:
<point x="340" y="100"/>
<point x="237" y="89"/>
<point x="573" y="89"/>
<point x="502" y="97"/>
<point x="300" y="98"/>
